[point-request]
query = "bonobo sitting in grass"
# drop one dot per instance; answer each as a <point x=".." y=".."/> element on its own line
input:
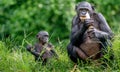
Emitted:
<point x="42" y="50"/>
<point x="90" y="36"/>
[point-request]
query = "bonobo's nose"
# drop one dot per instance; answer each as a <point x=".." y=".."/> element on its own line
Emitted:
<point x="46" y="40"/>
<point x="83" y="13"/>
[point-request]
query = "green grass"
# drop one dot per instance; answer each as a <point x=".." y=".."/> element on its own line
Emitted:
<point x="15" y="58"/>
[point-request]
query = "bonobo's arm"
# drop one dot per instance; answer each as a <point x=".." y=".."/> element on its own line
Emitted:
<point x="34" y="52"/>
<point x="105" y="31"/>
<point x="54" y="53"/>
<point x="52" y="50"/>
<point x="77" y="32"/>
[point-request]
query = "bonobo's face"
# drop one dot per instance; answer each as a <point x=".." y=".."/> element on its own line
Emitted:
<point x="43" y="37"/>
<point x="84" y="10"/>
<point x="84" y="13"/>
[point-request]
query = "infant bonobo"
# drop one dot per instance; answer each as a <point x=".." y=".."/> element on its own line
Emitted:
<point x="42" y="50"/>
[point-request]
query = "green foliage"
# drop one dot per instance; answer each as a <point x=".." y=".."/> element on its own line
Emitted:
<point x="20" y="60"/>
<point x="20" y="18"/>
<point x="29" y="16"/>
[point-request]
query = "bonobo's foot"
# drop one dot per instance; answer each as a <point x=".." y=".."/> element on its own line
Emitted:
<point x="80" y="53"/>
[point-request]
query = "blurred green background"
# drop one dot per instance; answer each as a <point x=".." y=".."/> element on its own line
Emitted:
<point x="21" y="19"/>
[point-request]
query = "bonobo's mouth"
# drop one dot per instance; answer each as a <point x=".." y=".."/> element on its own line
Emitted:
<point x="82" y="17"/>
<point x="85" y="16"/>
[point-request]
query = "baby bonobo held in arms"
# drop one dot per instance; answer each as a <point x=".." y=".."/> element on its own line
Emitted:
<point x="42" y="50"/>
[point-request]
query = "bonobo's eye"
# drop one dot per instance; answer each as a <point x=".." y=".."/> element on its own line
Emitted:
<point x="46" y="35"/>
<point x="83" y="10"/>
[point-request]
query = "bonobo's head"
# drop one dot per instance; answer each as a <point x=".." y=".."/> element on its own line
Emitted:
<point x="84" y="9"/>
<point x="43" y="36"/>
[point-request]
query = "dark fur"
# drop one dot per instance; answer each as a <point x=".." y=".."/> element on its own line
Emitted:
<point x="42" y="50"/>
<point x="80" y="46"/>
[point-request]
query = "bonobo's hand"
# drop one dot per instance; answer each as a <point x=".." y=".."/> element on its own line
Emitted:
<point x="29" y="47"/>
<point x="89" y="22"/>
<point x="93" y="33"/>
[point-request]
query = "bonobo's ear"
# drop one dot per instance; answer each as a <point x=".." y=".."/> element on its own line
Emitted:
<point x="37" y="36"/>
<point x="93" y="7"/>
<point x="76" y="6"/>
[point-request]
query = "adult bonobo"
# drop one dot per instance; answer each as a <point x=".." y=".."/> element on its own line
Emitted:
<point x="90" y="34"/>
<point x="42" y="50"/>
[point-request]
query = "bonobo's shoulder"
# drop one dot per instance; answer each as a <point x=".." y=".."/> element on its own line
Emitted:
<point x="75" y="20"/>
<point x="36" y="45"/>
<point x="75" y="17"/>
<point x="50" y="45"/>
<point x="98" y="15"/>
